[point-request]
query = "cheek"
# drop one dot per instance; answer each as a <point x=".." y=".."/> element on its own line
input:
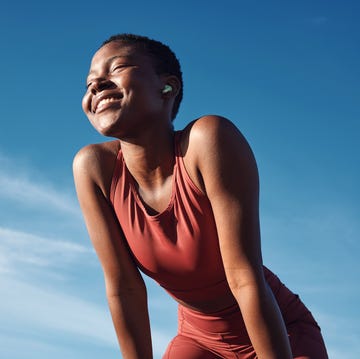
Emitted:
<point x="85" y="104"/>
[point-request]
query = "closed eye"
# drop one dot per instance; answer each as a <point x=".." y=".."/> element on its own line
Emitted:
<point x="118" y="67"/>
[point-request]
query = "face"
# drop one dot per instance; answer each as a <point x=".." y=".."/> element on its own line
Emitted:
<point x="123" y="90"/>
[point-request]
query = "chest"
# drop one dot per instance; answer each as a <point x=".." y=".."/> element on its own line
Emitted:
<point x="178" y="247"/>
<point x="156" y="199"/>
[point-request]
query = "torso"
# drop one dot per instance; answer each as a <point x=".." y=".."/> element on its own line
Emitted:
<point x="178" y="247"/>
<point x="201" y="284"/>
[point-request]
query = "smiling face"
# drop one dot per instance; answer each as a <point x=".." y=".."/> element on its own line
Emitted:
<point x="124" y="92"/>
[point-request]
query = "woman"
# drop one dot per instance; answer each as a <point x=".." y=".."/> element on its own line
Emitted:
<point x="183" y="208"/>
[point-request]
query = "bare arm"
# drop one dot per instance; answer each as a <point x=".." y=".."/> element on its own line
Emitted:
<point x="230" y="179"/>
<point x="125" y="288"/>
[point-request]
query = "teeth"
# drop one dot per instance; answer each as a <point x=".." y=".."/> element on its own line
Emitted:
<point x="107" y="100"/>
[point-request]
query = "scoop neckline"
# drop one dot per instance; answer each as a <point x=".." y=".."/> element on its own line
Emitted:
<point x="141" y="203"/>
<point x="133" y="185"/>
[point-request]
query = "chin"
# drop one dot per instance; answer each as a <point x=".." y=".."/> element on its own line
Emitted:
<point x="107" y="132"/>
<point x="105" y="126"/>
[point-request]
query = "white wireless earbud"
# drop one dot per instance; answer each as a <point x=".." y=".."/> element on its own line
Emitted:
<point x="167" y="89"/>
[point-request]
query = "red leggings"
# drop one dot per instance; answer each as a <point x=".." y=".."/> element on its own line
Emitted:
<point x="223" y="335"/>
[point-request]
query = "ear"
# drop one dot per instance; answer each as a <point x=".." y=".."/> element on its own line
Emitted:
<point x="172" y="81"/>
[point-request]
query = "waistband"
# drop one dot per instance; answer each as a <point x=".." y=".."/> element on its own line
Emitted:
<point x="227" y="322"/>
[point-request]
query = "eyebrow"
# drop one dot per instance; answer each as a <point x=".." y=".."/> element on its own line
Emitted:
<point x="110" y="60"/>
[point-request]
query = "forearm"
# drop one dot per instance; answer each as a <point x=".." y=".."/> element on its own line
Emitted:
<point x="264" y="323"/>
<point x="131" y="321"/>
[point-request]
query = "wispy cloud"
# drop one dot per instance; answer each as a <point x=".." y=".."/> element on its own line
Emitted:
<point x="48" y="309"/>
<point x="11" y="344"/>
<point x="29" y="259"/>
<point x="18" y="184"/>
<point x="20" y="189"/>
<point x="19" y="249"/>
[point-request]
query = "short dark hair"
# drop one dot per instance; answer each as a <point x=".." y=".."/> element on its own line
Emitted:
<point x="165" y="61"/>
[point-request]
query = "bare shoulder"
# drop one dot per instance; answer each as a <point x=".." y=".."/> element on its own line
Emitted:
<point x="215" y="147"/>
<point x="216" y="131"/>
<point x="95" y="163"/>
<point x="210" y="137"/>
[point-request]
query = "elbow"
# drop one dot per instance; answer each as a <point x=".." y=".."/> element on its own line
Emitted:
<point x="128" y="290"/>
<point x="127" y="297"/>
<point x="252" y="295"/>
<point x="248" y="284"/>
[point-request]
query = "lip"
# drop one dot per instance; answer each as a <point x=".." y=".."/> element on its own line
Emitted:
<point x="103" y="96"/>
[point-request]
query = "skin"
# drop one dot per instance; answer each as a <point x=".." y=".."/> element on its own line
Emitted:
<point x="138" y="114"/>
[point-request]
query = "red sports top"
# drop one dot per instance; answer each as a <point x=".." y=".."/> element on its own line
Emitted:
<point x="178" y="247"/>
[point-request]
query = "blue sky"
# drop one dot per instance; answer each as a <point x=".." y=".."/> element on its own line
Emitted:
<point x="286" y="72"/>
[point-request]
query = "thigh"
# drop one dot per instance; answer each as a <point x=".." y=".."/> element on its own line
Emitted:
<point x="182" y="347"/>
<point x="306" y="342"/>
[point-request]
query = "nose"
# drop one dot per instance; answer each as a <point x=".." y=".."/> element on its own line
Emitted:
<point x="101" y="84"/>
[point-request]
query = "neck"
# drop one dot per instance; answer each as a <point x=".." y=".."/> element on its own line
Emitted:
<point x="150" y="157"/>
